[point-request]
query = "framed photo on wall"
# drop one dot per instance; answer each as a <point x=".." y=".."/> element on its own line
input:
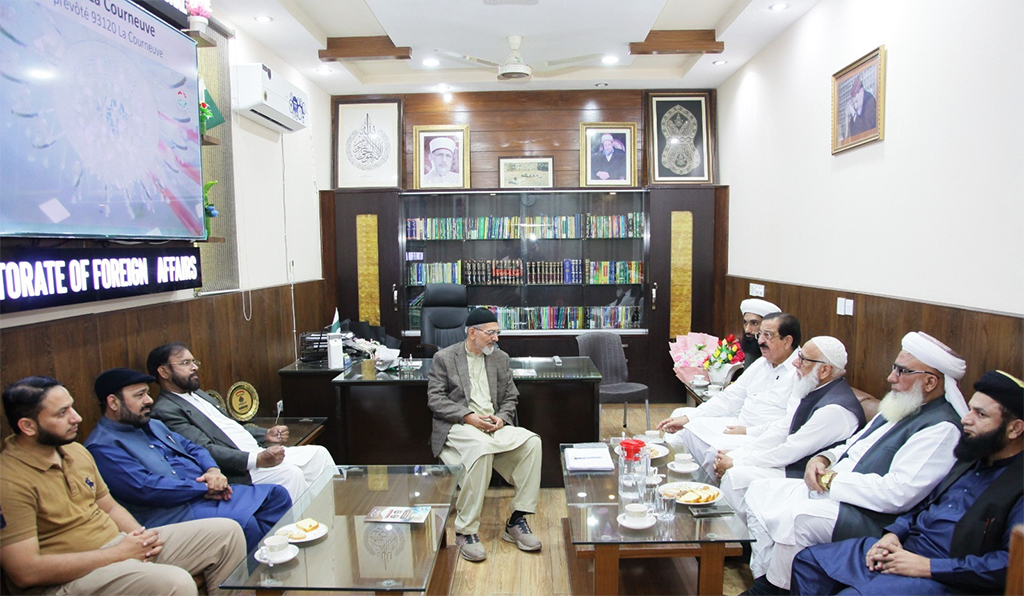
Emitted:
<point x="858" y="102"/>
<point x="441" y="156"/>
<point x="526" y="172"/>
<point x="607" y="154"/>
<point x="681" y="141"/>
<point x="368" y="144"/>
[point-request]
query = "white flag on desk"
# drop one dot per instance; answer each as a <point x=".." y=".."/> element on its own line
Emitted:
<point x="588" y="458"/>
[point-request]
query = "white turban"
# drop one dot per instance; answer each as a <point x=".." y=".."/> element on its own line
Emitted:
<point x="761" y="308"/>
<point x="442" y="143"/>
<point x="832" y="349"/>
<point x="929" y="351"/>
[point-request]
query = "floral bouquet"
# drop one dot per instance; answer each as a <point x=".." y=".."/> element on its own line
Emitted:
<point x="727" y="353"/>
<point x="689" y="352"/>
<point x="198" y="8"/>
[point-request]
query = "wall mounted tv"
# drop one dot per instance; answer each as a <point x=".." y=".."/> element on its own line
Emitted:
<point x="99" y="122"/>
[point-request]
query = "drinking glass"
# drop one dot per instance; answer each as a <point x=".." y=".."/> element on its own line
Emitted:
<point x="666" y="507"/>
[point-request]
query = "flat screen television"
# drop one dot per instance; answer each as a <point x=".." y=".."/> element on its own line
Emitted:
<point x="100" y="123"/>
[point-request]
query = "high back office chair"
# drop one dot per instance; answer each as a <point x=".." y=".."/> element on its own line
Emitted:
<point x="443" y="317"/>
<point x="605" y="350"/>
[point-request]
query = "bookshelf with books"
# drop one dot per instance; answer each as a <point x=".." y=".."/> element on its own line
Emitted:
<point x="543" y="261"/>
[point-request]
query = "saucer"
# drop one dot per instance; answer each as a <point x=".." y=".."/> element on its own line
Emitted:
<point x="683" y="468"/>
<point x="704" y="384"/>
<point x="283" y="556"/>
<point x="626" y="522"/>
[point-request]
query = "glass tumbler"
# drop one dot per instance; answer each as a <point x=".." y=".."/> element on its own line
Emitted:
<point x="665" y="507"/>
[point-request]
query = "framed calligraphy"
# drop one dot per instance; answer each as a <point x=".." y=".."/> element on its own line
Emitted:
<point x="681" y="140"/>
<point x="367" y="143"/>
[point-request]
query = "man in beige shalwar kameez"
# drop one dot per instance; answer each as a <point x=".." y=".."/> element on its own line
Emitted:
<point x="473" y="398"/>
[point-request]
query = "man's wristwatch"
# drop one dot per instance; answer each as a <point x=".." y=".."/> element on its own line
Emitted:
<point x="826" y="479"/>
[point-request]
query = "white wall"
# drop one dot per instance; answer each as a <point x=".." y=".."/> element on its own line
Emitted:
<point x="935" y="211"/>
<point x="277" y="177"/>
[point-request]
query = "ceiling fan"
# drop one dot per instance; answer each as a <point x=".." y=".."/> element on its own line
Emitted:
<point x="514" y="66"/>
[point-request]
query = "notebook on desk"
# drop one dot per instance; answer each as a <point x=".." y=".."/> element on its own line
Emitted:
<point x="578" y="459"/>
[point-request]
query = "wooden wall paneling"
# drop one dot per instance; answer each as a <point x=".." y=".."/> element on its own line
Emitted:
<point x="328" y="240"/>
<point x="524" y="100"/>
<point x="995" y="342"/>
<point x="720" y="259"/>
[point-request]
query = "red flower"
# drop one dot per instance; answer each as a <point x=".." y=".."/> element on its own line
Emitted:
<point x="730" y="338"/>
<point x="740" y="356"/>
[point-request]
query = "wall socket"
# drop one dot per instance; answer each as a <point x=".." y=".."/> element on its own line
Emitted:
<point x="844" y="307"/>
<point x="757" y="290"/>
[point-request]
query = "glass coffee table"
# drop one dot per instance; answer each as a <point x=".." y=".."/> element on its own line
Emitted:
<point x="592" y="531"/>
<point x="358" y="555"/>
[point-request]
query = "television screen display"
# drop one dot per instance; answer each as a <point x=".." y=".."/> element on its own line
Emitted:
<point x="100" y="123"/>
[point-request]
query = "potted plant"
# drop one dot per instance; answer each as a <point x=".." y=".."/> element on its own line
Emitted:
<point x="198" y="14"/>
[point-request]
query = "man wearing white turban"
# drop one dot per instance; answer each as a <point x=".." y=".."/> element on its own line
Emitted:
<point x="822" y="413"/>
<point x="753" y="310"/>
<point x="859" y="487"/>
<point x="442" y="160"/>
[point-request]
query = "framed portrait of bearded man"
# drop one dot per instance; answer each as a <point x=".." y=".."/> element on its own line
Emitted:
<point x="367" y="143"/>
<point x="681" y="137"/>
<point x="440" y="156"/>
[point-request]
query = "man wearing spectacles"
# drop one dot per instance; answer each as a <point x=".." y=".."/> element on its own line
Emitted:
<point x="823" y="412"/>
<point x="857" y="488"/>
<point x="473" y="397"/>
<point x="758" y="397"/>
<point x="247" y="454"/>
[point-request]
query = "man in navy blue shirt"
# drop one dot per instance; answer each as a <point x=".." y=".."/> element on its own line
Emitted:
<point x="958" y="539"/>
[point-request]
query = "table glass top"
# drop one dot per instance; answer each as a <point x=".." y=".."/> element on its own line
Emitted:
<point x="354" y="554"/>
<point x="594" y="504"/>
<point x="532" y="369"/>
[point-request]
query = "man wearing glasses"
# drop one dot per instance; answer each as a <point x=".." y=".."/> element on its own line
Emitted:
<point x="757" y="398"/>
<point x="473" y="398"/>
<point x="823" y="412"/>
<point x="859" y="487"/>
<point x="246" y="454"/>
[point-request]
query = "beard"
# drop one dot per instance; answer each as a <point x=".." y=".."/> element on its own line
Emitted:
<point x="188" y="383"/>
<point x="138" y="420"/>
<point x="807" y="383"/>
<point x="897" y="405"/>
<point x="981" y="446"/>
<point x="488" y="350"/>
<point x="45" y="437"/>
<point x="748" y="343"/>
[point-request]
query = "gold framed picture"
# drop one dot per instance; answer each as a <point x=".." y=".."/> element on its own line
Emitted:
<point x="680" y="137"/>
<point x="440" y="156"/>
<point x="526" y="172"/>
<point x="243" y="401"/>
<point x="607" y="154"/>
<point x="858" y="102"/>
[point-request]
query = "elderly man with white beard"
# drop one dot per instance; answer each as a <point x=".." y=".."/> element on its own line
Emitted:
<point x="881" y="472"/>
<point x="823" y="412"/>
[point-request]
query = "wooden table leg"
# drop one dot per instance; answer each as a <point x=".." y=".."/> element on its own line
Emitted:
<point x="711" y="574"/>
<point x="606" y="569"/>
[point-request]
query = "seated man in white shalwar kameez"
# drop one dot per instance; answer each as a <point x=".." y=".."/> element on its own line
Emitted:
<point x="857" y="488"/>
<point x="473" y="398"/>
<point x="823" y="412"/>
<point x="758" y="398"/>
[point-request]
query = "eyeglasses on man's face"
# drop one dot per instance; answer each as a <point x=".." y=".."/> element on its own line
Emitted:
<point x="767" y="335"/>
<point x="187" y="363"/>
<point x="902" y="370"/>
<point x="800" y="357"/>
<point x="489" y="332"/>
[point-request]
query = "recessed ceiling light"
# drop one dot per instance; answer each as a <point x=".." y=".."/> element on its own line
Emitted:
<point x="720" y="62"/>
<point x="263" y="19"/>
<point x="600" y="84"/>
<point x="324" y="70"/>
<point x="779" y="6"/>
<point x="610" y="59"/>
<point x="431" y="62"/>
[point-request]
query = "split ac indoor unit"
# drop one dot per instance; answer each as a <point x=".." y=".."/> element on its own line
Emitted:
<point x="266" y="97"/>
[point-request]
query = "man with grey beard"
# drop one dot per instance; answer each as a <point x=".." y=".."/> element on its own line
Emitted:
<point x="881" y="472"/>
<point x="822" y="412"/>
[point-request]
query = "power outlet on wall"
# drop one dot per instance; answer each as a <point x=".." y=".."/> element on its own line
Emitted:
<point x="757" y="290"/>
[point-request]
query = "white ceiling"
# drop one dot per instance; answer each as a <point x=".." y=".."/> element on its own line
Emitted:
<point x="551" y="30"/>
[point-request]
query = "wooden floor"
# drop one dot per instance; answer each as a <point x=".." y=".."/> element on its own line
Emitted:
<point x="509" y="571"/>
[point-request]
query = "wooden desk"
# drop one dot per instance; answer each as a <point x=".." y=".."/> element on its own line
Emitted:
<point x="301" y="431"/>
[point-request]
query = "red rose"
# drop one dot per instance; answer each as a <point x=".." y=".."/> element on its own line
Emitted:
<point x="731" y="338"/>
<point x="740" y="356"/>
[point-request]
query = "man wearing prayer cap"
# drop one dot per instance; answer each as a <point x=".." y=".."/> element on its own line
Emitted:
<point x="753" y="310"/>
<point x="823" y="412"/>
<point x="609" y="161"/>
<point x="473" y="397"/>
<point x="955" y="541"/>
<point x="442" y="158"/>
<point x="857" y="488"/>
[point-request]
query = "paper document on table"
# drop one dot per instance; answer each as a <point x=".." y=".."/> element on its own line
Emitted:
<point x="591" y="458"/>
<point x="523" y="372"/>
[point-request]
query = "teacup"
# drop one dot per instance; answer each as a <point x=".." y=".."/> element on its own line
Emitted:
<point x="683" y="459"/>
<point x="636" y="511"/>
<point x="700" y="380"/>
<point x="714" y="389"/>
<point x="274" y="545"/>
<point x="653" y="434"/>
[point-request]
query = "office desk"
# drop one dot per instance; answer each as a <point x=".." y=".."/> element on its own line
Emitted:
<point x="301" y="431"/>
<point x="382" y="417"/>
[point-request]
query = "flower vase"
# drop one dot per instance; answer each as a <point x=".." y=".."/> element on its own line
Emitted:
<point x="196" y="23"/>
<point x="719" y="375"/>
<point x="202" y="126"/>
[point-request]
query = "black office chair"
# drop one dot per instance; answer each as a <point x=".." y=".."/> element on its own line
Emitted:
<point x="605" y="350"/>
<point x="443" y="317"/>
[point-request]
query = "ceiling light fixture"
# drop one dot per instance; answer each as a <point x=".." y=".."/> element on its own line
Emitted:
<point x="720" y="62"/>
<point x="263" y="19"/>
<point x="324" y="70"/>
<point x="779" y="6"/>
<point x="610" y="60"/>
<point x="431" y="62"/>
<point x="600" y="84"/>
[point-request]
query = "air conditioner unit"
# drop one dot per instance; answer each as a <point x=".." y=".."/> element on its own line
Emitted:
<point x="266" y="97"/>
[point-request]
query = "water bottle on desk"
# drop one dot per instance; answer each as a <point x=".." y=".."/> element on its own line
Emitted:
<point x="634" y="463"/>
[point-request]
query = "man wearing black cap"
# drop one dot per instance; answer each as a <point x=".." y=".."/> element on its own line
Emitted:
<point x="160" y="476"/>
<point x="473" y="398"/>
<point x="958" y="539"/>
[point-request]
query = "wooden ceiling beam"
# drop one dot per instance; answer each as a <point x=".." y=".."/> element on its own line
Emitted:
<point x="697" y="41"/>
<point x="378" y="47"/>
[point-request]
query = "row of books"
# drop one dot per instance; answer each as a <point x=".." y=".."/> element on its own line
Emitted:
<point x="511" y="272"/>
<point x="435" y="273"/>
<point x="579" y="225"/>
<point x="493" y="271"/>
<point x="567" y="271"/>
<point x="567" y="317"/>
<point x="615" y="272"/>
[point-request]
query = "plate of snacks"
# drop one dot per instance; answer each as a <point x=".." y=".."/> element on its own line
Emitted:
<point x="305" y="530"/>
<point x="691" y="493"/>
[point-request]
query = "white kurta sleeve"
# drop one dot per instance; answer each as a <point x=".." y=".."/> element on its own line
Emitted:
<point x="826" y="426"/>
<point x="728" y="403"/>
<point x="918" y="467"/>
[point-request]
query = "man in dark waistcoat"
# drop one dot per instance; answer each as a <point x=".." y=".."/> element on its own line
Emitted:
<point x="956" y="541"/>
